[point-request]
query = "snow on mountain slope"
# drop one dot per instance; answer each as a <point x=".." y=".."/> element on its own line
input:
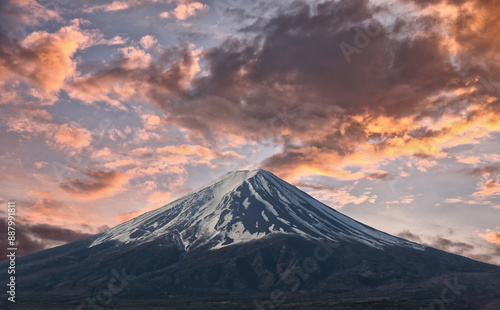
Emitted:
<point x="242" y="206"/>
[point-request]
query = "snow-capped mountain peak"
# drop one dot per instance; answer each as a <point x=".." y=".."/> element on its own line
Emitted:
<point x="243" y="206"/>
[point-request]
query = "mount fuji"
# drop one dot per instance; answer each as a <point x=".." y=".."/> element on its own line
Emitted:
<point x="245" y="206"/>
<point x="249" y="240"/>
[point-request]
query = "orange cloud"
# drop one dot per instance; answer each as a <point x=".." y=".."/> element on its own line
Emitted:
<point x="469" y="160"/>
<point x="491" y="236"/>
<point x="122" y="218"/>
<point x="39" y="122"/>
<point x="397" y="137"/>
<point x="338" y="198"/>
<point x="487" y="188"/>
<point x="135" y="58"/>
<point x="41" y="164"/>
<point x="76" y="138"/>
<point x="47" y="58"/>
<point x="189" y="150"/>
<point x="159" y="197"/>
<point x="140" y="76"/>
<point x="44" y="207"/>
<point x="148" y="41"/>
<point x="184" y="11"/>
<point x="151" y="120"/>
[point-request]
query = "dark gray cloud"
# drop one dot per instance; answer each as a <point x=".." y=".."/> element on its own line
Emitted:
<point x="37" y="237"/>
<point x="98" y="183"/>
<point x="410" y="236"/>
<point x="490" y="255"/>
<point x="450" y="246"/>
<point x="295" y="61"/>
<point x="481" y="171"/>
<point x="54" y="233"/>
<point x="379" y="176"/>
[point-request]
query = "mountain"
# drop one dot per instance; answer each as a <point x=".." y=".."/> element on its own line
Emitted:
<point x="249" y="240"/>
<point x="244" y="206"/>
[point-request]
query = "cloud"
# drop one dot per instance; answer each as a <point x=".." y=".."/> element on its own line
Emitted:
<point x="188" y="150"/>
<point x="120" y="5"/>
<point x="46" y="59"/>
<point x="479" y="250"/>
<point x="32" y="238"/>
<point x="159" y="197"/>
<point x="41" y="164"/>
<point x="403" y="200"/>
<point x="317" y="187"/>
<point x="151" y="120"/>
<point x="54" y="233"/>
<point x="148" y="41"/>
<point x="491" y="236"/>
<point x="172" y="160"/>
<point x="487" y="188"/>
<point x="184" y="11"/>
<point x="450" y="246"/>
<point x="340" y="197"/>
<point x="406" y="93"/>
<point x="98" y="184"/>
<point x="38" y="122"/>
<point x="135" y="58"/>
<point x="76" y="138"/>
<point x="439" y="242"/>
<point x="379" y="175"/>
<point x="124" y="217"/>
<point x="490" y="256"/>
<point x="121" y="163"/>
<point x="469" y="160"/>
<point x="27" y="12"/>
<point x="410" y="236"/>
<point x="157" y="77"/>
<point x="484" y="171"/>
<point x="379" y="107"/>
<point x="36" y="65"/>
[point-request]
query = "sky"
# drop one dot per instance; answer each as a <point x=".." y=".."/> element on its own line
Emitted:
<point x="387" y="111"/>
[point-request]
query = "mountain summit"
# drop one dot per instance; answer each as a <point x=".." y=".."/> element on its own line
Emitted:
<point x="249" y="240"/>
<point x="244" y="206"/>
